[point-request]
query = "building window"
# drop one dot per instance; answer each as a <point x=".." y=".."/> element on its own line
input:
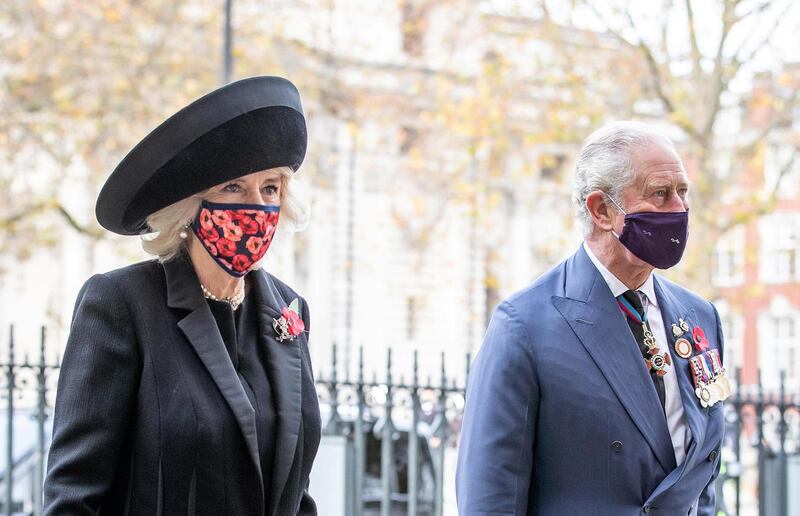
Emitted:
<point x="778" y="344"/>
<point x="785" y="337"/>
<point x="779" y="248"/>
<point x="728" y="264"/>
<point x="732" y="332"/>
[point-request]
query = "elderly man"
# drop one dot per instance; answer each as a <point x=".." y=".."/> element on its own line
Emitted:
<point x="597" y="388"/>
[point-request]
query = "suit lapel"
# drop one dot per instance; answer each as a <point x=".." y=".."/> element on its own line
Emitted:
<point x="200" y="328"/>
<point x="696" y="416"/>
<point x="591" y="311"/>
<point x="284" y="368"/>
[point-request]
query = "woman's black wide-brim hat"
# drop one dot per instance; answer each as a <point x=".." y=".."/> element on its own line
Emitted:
<point x="246" y="126"/>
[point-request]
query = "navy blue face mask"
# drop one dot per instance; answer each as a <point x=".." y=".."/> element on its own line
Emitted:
<point x="656" y="237"/>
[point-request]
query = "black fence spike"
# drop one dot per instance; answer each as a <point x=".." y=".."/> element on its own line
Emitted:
<point x="416" y="368"/>
<point x="361" y="364"/>
<point x="334" y="372"/>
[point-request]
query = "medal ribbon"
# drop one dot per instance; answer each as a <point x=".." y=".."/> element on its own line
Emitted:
<point x="703" y="368"/>
<point x="716" y="363"/>
<point x="708" y="369"/>
<point x="630" y="311"/>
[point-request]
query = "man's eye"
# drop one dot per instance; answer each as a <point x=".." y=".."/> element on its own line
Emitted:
<point x="661" y="193"/>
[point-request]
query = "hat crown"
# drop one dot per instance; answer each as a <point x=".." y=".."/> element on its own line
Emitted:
<point x="243" y="127"/>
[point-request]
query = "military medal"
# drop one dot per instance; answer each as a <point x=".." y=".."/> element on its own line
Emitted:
<point x="679" y="328"/>
<point x="658" y="361"/>
<point x="683" y="348"/>
<point x="721" y="376"/>
<point x="726" y="384"/>
<point x="704" y="394"/>
<point x="710" y="379"/>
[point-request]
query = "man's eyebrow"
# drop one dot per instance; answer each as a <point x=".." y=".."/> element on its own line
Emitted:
<point x="657" y="183"/>
<point x="660" y="182"/>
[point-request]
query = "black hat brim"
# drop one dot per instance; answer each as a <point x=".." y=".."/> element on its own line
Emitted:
<point x="249" y="125"/>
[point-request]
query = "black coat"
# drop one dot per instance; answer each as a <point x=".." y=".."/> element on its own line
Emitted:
<point x="147" y="393"/>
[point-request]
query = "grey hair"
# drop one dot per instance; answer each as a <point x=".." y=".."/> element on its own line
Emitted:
<point x="168" y="223"/>
<point x="604" y="163"/>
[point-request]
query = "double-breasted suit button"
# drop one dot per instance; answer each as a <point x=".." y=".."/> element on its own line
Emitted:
<point x="712" y="455"/>
<point x="616" y="446"/>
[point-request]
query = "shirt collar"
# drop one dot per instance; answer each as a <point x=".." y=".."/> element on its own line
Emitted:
<point x="616" y="286"/>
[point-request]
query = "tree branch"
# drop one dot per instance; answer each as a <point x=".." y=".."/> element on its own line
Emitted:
<point x="696" y="56"/>
<point x="44" y="206"/>
<point x="739" y="57"/>
<point x="764" y="206"/>
<point x="88" y="231"/>
<point x="719" y="82"/>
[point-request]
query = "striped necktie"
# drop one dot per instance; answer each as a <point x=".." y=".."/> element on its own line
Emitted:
<point x="631" y="305"/>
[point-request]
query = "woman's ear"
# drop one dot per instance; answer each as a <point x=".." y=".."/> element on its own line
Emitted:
<point x="601" y="211"/>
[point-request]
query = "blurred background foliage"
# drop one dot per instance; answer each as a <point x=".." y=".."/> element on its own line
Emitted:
<point x="81" y="82"/>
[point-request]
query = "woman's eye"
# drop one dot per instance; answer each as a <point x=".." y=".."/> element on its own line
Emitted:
<point x="270" y="189"/>
<point x="232" y="187"/>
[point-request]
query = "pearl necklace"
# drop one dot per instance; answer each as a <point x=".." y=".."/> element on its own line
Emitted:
<point x="235" y="300"/>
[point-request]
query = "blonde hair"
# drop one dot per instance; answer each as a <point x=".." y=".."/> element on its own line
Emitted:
<point x="168" y="223"/>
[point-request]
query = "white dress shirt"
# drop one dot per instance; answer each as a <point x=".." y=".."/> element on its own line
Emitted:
<point x="676" y="421"/>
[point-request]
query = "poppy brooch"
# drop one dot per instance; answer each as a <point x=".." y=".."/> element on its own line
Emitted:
<point x="289" y="325"/>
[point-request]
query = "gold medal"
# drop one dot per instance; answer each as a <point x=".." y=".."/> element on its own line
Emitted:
<point x="683" y="348"/>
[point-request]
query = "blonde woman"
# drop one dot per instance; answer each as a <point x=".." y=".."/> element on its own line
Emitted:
<point x="186" y="385"/>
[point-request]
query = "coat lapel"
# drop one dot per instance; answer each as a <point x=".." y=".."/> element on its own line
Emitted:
<point x="590" y="310"/>
<point x="284" y="368"/>
<point x="696" y="416"/>
<point x="200" y="328"/>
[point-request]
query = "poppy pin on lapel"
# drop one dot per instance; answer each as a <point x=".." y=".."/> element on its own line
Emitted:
<point x="289" y="325"/>
<point x="699" y="337"/>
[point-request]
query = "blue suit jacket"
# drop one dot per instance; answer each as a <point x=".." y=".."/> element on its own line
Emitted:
<point x="562" y="417"/>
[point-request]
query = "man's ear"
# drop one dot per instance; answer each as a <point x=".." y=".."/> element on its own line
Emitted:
<point x="601" y="211"/>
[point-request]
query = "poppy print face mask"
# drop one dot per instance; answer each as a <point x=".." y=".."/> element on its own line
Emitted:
<point x="236" y="235"/>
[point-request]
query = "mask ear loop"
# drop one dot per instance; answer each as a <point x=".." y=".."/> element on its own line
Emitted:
<point x="618" y="207"/>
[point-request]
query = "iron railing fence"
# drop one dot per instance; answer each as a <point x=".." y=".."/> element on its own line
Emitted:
<point x="764" y="424"/>
<point x="397" y="434"/>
